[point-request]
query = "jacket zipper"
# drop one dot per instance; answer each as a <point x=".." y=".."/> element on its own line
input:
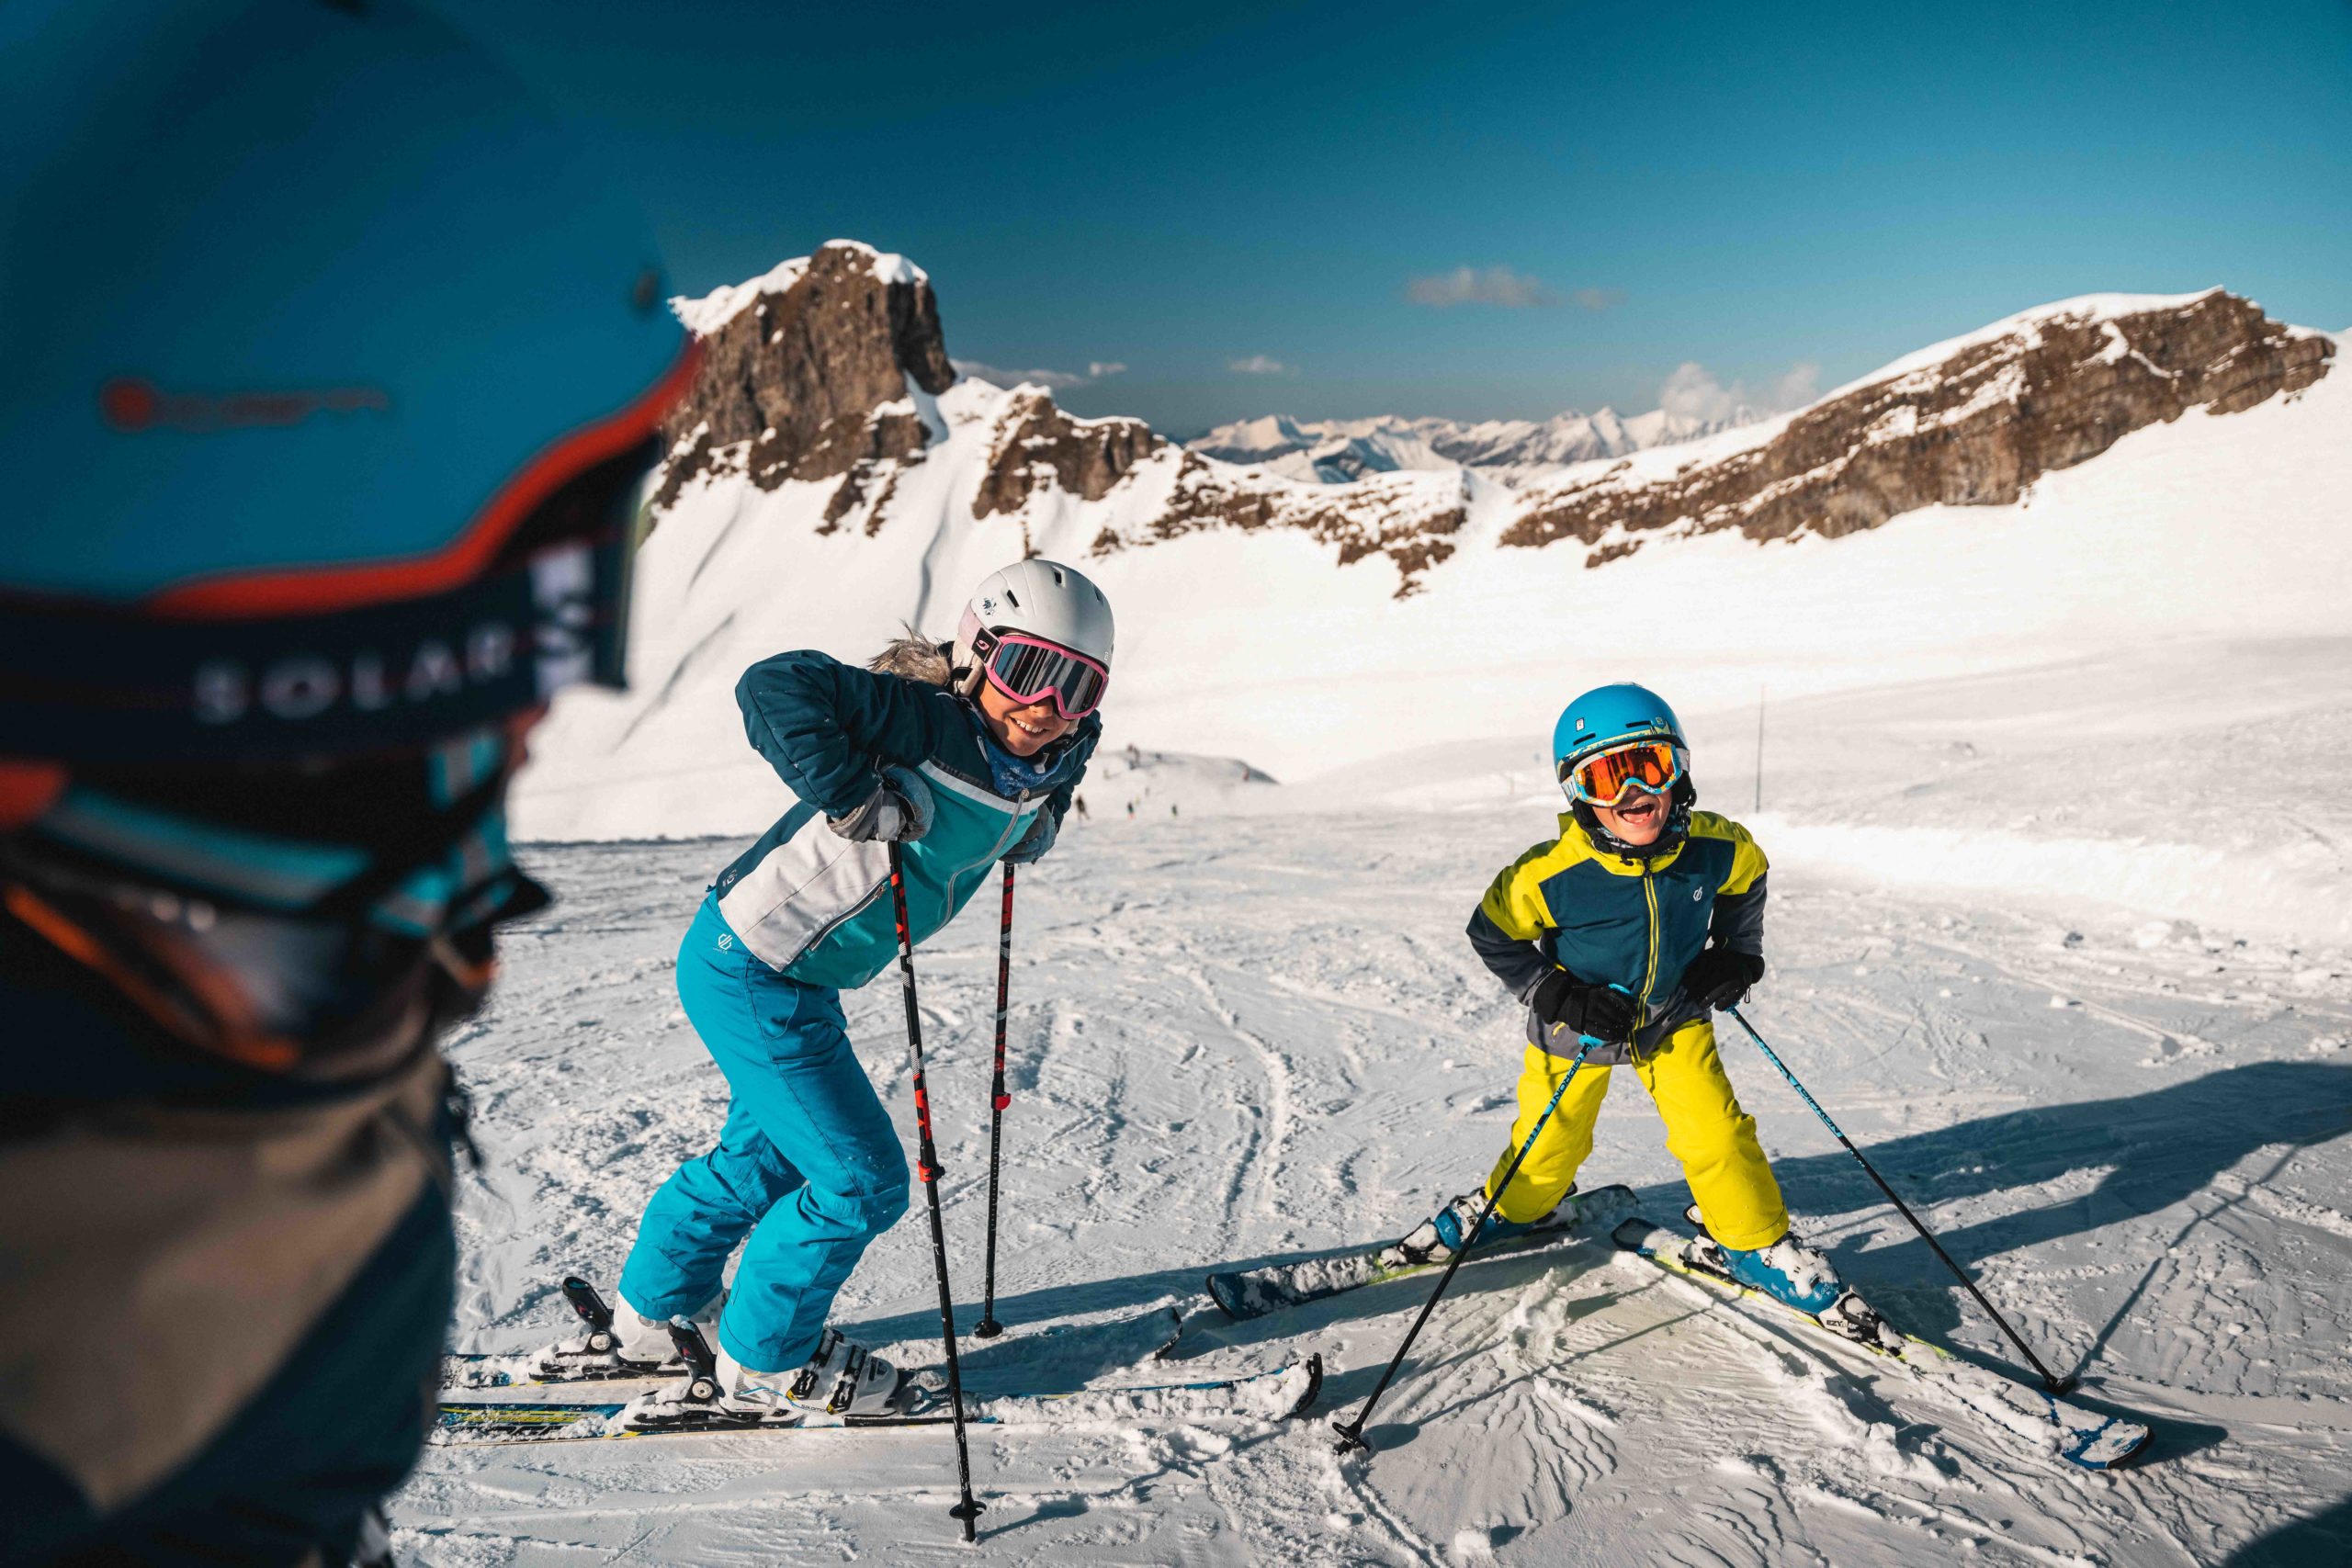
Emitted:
<point x="1004" y="841"/>
<point x="1649" y="975"/>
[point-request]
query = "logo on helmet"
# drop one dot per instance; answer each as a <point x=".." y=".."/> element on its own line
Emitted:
<point x="131" y="404"/>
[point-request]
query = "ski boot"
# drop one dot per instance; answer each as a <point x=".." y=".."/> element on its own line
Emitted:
<point x="1799" y="1277"/>
<point x="718" y="1394"/>
<point x="1438" y="1238"/>
<point x="617" y="1346"/>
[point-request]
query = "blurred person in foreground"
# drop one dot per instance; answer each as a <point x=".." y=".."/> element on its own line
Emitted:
<point x="329" y="374"/>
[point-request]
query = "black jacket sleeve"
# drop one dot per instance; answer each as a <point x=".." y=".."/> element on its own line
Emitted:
<point x="1518" y="964"/>
<point x="1737" y="922"/>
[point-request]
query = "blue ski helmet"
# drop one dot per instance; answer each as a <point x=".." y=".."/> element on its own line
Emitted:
<point x="332" y="370"/>
<point x="1608" y="714"/>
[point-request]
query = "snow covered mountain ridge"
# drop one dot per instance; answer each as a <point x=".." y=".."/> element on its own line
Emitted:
<point x="1972" y="421"/>
<point x="829" y="368"/>
<point x="1335" y="451"/>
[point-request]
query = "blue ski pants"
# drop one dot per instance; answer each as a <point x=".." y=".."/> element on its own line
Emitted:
<point x="807" y="1171"/>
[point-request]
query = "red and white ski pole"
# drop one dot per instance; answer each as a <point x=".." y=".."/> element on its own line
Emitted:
<point x="967" y="1510"/>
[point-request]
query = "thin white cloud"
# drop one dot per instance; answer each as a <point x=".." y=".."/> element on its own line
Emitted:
<point x="1259" y="365"/>
<point x="1502" y="286"/>
<point x="1799" y="386"/>
<point x="1693" y="392"/>
<point x="1056" y="380"/>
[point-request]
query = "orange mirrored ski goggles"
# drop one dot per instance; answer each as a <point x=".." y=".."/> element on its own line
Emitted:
<point x="1606" y="778"/>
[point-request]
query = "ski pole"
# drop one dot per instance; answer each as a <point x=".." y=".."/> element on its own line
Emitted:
<point x="1352" y="1432"/>
<point x="989" y="1327"/>
<point x="966" y="1510"/>
<point x="2050" y="1380"/>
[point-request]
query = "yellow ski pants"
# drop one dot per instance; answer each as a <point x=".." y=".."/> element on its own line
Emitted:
<point x="1705" y="1129"/>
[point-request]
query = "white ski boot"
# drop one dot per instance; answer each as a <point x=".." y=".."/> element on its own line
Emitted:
<point x="843" y="1379"/>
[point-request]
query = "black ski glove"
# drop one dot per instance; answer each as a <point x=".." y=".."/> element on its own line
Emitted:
<point x="1719" y="978"/>
<point x="1602" y="1011"/>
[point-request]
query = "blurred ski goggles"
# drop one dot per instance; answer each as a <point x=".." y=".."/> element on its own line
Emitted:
<point x="1606" y="778"/>
<point x="1029" y="670"/>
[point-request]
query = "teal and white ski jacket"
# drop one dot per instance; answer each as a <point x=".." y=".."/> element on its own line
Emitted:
<point x="817" y="906"/>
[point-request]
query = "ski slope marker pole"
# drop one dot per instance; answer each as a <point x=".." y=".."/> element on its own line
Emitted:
<point x="1352" y="1432"/>
<point x="2050" y="1380"/>
<point x="989" y="1327"/>
<point x="967" y="1510"/>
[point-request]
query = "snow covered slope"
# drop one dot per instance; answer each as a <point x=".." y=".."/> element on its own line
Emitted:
<point x="1241" y="1038"/>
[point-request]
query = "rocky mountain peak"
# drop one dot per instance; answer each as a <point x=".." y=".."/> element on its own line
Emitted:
<point x="807" y="370"/>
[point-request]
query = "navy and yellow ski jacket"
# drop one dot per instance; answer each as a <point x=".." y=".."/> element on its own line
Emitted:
<point x="1607" y="920"/>
<point x="816" y="906"/>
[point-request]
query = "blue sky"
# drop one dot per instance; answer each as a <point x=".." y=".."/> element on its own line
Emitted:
<point x="1205" y="194"/>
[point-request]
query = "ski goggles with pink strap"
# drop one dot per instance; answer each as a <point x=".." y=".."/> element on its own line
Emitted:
<point x="1029" y="669"/>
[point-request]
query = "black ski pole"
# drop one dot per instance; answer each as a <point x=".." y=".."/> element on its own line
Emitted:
<point x="1352" y="1432"/>
<point x="2050" y="1381"/>
<point x="968" y="1510"/>
<point x="989" y="1327"/>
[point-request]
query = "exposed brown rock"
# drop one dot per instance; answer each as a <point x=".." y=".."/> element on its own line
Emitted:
<point x="789" y="384"/>
<point x="1974" y="431"/>
<point x="1406" y="517"/>
<point x="1036" y="441"/>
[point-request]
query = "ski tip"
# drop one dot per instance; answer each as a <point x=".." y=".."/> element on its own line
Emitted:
<point x="1312" y="1391"/>
<point x="1225" y="1293"/>
<point x="2114" y="1443"/>
<point x="1635" y="1235"/>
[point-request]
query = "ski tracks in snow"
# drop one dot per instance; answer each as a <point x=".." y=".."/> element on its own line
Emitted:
<point x="1239" y="1038"/>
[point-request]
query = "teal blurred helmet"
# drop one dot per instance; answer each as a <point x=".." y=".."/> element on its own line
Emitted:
<point x="332" y="366"/>
<point x="332" y="369"/>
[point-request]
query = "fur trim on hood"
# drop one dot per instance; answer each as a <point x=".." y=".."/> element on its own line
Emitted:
<point x="914" y="657"/>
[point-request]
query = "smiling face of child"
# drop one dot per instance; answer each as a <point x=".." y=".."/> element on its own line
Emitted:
<point x="1638" y="819"/>
<point x="1023" y="729"/>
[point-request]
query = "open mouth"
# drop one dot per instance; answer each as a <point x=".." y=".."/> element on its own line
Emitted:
<point x="1643" y="809"/>
<point x="1036" y="729"/>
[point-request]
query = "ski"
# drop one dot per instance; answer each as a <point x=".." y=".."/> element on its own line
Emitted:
<point x="1148" y="1335"/>
<point x="2078" y="1435"/>
<point x="1278" y="1394"/>
<point x="1246" y="1294"/>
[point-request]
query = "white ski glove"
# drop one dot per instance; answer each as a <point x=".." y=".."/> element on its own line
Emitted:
<point x="898" y="810"/>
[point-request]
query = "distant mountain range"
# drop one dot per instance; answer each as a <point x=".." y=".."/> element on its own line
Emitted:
<point x="1336" y="451"/>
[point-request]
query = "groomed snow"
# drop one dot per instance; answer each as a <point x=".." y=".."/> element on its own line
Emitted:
<point x="1237" y="1036"/>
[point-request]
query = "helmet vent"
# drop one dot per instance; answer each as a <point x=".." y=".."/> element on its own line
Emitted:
<point x="1011" y="599"/>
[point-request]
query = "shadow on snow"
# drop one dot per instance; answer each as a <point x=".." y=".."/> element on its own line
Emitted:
<point x="2157" y="1150"/>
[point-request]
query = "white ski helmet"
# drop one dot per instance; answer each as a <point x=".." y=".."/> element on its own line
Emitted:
<point x="1042" y="598"/>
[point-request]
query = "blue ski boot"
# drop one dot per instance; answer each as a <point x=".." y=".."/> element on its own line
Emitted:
<point x="1788" y="1271"/>
<point x="1438" y="1238"/>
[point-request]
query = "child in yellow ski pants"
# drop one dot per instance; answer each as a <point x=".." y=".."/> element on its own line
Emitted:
<point x="1623" y="936"/>
<point x="1705" y="1129"/>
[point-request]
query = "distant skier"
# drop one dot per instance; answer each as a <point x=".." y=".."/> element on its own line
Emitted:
<point x="1641" y="918"/>
<point x="1079" y="802"/>
<point x="965" y="754"/>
